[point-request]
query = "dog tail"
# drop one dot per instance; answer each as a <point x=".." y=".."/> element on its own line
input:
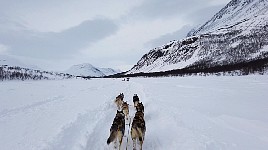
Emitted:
<point x="111" y="137"/>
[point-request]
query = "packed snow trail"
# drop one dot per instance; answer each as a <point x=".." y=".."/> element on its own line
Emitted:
<point x="200" y="113"/>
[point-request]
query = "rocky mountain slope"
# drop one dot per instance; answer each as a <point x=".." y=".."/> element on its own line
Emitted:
<point x="238" y="33"/>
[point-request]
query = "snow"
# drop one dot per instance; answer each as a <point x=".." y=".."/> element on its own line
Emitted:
<point x="235" y="44"/>
<point x="243" y="14"/>
<point x="109" y="71"/>
<point x="87" y="69"/>
<point x="181" y="64"/>
<point x="262" y="50"/>
<point x="200" y="113"/>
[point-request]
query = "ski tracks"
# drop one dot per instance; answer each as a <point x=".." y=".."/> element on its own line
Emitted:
<point x="97" y="136"/>
<point x="90" y="130"/>
<point x="85" y="132"/>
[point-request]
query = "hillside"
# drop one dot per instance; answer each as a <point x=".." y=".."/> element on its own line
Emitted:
<point x="13" y="69"/>
<point x="236" y="34"/>
<point x="87" y="69"/>
<point x="19" y="73"/>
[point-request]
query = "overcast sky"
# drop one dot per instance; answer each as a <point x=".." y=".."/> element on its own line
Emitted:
<point x="56" y="34"/>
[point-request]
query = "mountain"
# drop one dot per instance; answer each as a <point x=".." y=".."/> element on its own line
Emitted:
<point x="108" y="71"/>
<point x="87" y="69"/>
<point x="13" y="69"/>
<point x="237" y="15"/>
<point x="20" y="73"/>
<point x="236" y="35"/>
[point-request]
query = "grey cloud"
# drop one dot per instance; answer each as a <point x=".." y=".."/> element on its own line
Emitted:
<point x="181" y="33"/>
<point x="163" y="8"/>
<point x="52" y="45"/>
<point x="201" y="16"/>
<point x="197" y="18"/>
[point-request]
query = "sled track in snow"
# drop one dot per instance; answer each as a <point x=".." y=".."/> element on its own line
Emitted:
<point x="90" y="130"/>
<point x="103" y="125"/>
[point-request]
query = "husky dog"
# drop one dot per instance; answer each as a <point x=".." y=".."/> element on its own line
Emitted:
<point x="138" y="129"/>
<point x="125" y="109"/>
<point x="135" y="100"/>
<point x="117" y="129"/>
<point x="140" y="107"/>
<point x="119" y="100"/>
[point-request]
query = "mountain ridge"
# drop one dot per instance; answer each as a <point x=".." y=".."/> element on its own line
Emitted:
<point x="87" y="69"/>
<point x="215" y="43"/>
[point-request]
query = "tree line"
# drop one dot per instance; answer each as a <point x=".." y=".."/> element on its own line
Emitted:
<point x="18" y="73"/>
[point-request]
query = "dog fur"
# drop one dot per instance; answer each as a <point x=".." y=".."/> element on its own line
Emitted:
<point x="119" y="101"/>
<point x="135" y="100"/>
<point x="125" y="109"/>
<point x="117" y="129"/>
<point x="140" y="107"/>
<point x="138" y="129"/>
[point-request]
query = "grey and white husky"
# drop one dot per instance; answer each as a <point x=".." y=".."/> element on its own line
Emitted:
<point x="119" y="101"/>
<point x="117" y="129"/>
<point x="138" y="129"/>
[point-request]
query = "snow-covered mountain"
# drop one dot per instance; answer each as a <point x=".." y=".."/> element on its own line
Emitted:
<point x="87" y="69"/>
<point x="13" y="69"/>
<point x="237" y="15"/>
<point x="238" y="33"/>
<point x="109" y="71"/>
<point x="19" y="73"/>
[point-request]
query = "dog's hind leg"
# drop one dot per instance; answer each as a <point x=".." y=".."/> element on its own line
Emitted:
<point x="127" y="114"/>
<point x="120" y="139"/>
<point x="141" y="142"/>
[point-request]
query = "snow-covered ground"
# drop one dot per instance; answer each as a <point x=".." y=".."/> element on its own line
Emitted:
<point x="189" y="113"/>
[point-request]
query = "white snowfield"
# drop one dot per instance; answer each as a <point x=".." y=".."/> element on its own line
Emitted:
<point x="181" y="113"/>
